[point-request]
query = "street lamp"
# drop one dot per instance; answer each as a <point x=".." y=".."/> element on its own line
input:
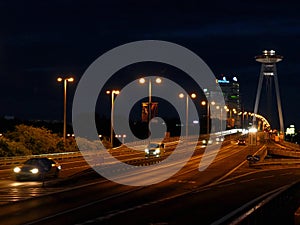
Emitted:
<point x="244" y="114"/>
<point x="121" y="136"/>
<point x="252" y="137"/>
<point x="204" y="103"/>
<point x="142" y="80"/>
<point x="65" y="80"/>
<point x="221" y="117"/>
<point x="181" y="95"/>
<point x="112" y="93"/>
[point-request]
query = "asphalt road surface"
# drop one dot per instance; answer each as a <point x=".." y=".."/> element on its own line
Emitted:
<point x="81" y="196"/>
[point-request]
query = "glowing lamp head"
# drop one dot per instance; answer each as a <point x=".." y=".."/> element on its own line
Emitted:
<point x="252" y="130"/>
<point x="70" y="79"/>
<point x="158" y="80"/>
<point x="142" y="80"/>
<point x="193" y="95"/>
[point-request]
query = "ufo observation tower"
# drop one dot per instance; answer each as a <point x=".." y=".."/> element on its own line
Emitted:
<point x="268" y="70"/>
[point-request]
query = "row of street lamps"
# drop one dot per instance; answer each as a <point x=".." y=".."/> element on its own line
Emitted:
<point x="158" y="80"/>
<point x="143" y="81"/>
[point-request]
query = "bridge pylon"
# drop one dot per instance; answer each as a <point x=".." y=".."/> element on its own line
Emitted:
<point x="268" y="69"/>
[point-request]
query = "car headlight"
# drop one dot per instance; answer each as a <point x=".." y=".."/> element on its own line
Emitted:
<point x="34" y="171"/>
<point x="17" y="169"/>
<point x="147" y="150"/>
<point x="157" y="151"/>
<point x="203" y="141"/>
<point x="59" y="167"/>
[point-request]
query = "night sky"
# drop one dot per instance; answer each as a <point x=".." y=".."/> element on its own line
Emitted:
<point x="40" y="40"/>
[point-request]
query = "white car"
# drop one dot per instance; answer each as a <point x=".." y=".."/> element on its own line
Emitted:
<point x="154" y="149"/>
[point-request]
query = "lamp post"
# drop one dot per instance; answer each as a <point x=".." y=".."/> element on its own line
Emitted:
<point x="66" y="80"/>
<point x="123" y="136"/>
<point x="112" y="93"/>
<point x="181" y="95"/>
<point x="142" y="80"/>
<point x="244" y="114"/>
<point x="221" y="117"/>
<point x="204" y="103"/>
<point x="252" y="138"/>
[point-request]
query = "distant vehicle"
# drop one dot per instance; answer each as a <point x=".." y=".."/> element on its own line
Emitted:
<point x="241" y="142"/>
<point x="37" y="169"/>
<point x="154" y="149"/>
<point x="206" y="142"/>
<point x="219" y="139"/>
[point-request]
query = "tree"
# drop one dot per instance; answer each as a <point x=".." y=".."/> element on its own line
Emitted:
<point x="33" y="140"/>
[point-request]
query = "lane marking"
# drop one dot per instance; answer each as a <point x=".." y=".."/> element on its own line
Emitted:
<point x="248" y="180"/>
<point x="267" y="176"/>
<point x="83" y="206"/>
<point x="234" y="169"/>
<point x="226" y="185"/>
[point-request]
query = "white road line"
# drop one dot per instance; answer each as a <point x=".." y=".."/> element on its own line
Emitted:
<point x="234" y="169"/>
<point x="267" y="176"/>
<point x="82" y="206"/>
<point x="248" y="180"/>
<point x="226" y="185"/>
<point x="289" y="173"/>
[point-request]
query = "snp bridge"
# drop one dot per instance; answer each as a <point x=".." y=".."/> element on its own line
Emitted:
<point x="268" y="71"/>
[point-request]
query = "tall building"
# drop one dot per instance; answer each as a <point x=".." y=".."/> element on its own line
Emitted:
<point x="231" y="92"/>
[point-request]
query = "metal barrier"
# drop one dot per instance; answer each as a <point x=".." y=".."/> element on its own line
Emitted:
<point x="7" y="161"/>
<point x="278" y="208"/>
<point x="275" y="207"/>
<point x="291" y="145"/>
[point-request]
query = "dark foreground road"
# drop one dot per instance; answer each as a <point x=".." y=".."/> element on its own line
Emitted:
<point x="189" y="197"/>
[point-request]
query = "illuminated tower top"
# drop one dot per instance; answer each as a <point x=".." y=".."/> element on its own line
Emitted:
<point x="268" y="57"/>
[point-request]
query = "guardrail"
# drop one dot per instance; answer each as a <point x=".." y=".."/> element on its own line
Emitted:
<point x="291" y="145"/>
<point x="284" y="152"/>
<point x="7" y="161"/>
<point x="275" y="207"/>
<point x="15" y="160"/>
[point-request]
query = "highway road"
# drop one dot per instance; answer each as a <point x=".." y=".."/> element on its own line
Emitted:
<point x="188" y="197"/>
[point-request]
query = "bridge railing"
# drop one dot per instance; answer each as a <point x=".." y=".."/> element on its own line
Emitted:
<point x="291" y="145"/>
<point x="275" y="207"/>
<point x="15" y="160"/>
<point x="7" y="161"/>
